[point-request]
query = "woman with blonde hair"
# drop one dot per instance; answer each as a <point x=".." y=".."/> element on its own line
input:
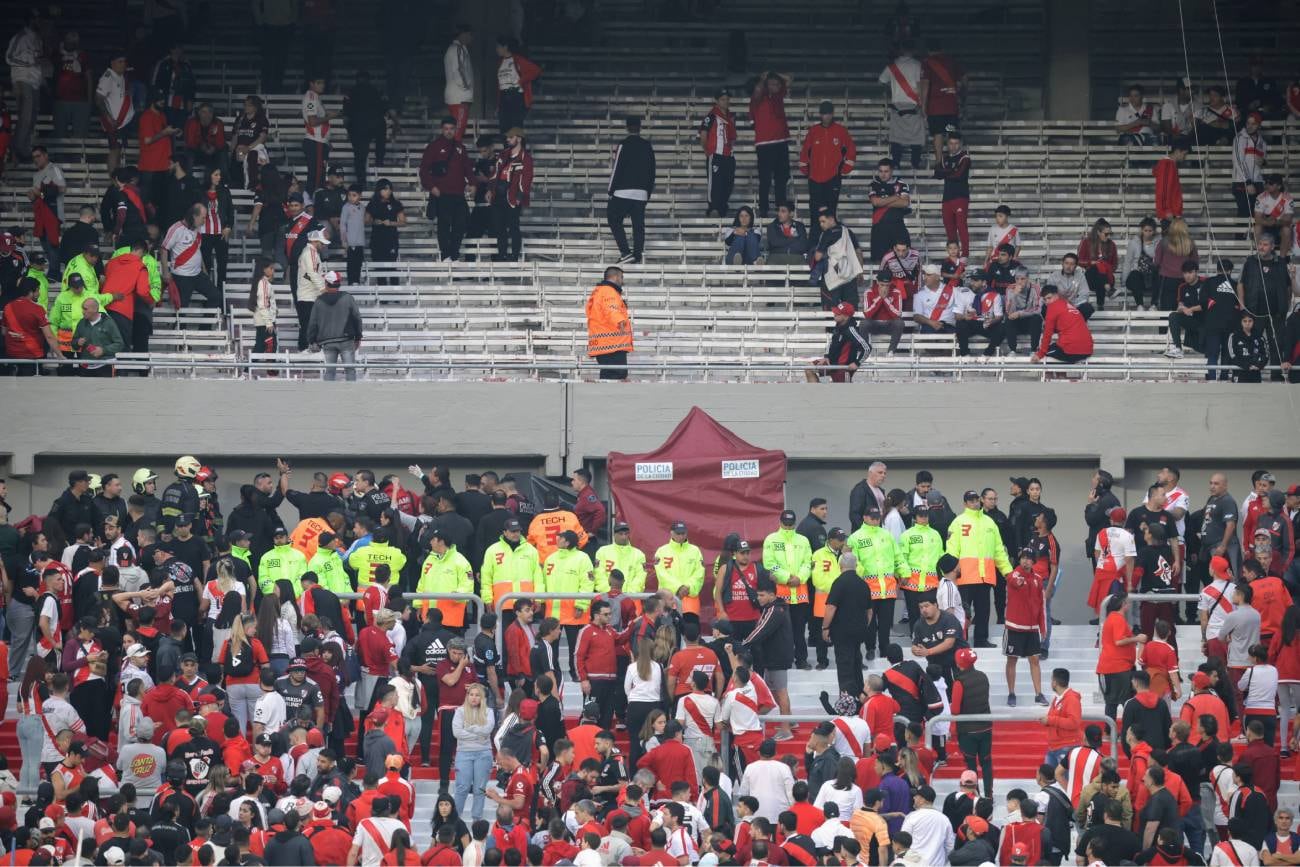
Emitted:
<point x="471" y="726"/>
<point x="643" y="685"/>
<point x="1175" y="250"/>
<point x="652" y="730"/>
<point x="212" y="606"/>
<point x="242" y="658"/>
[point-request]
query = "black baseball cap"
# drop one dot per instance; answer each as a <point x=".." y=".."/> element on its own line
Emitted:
<point x="679" y="527"/>
<point x="513" y="526"/>
<point x="971" y="495"/>
<point x="836" y="533"/>
<point x="621" y="527"/>
<point x="788" y="517"/>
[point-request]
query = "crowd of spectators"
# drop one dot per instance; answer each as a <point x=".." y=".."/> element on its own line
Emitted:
<point x="200" y="687"/>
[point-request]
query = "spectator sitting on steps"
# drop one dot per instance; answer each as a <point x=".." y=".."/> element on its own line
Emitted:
<point x="786" y="239"/>
<point x="744" y="242"/>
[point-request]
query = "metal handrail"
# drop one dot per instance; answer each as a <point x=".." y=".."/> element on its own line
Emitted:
<point x="500" y="604"/>
<point x="1112" y="728"/>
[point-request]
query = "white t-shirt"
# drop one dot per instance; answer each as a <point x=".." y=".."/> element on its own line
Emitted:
<point x="1181" y="116"/>
<point x="181" y="243"/>
<point x="112" y="87"/>
<point x="588" y="858"/>
<point x="911" y="69"/>
<point x="508" y="75"/>
<point x="1245" y="854"/>
<point x="1224" y="788"/>
<point x="1121" y="546"/>
<point x="706" y="705"/>
<point x="1259" y="684"/>
<point x="214" y="603"/>
<point x="772" y="784"/>
<point x="371" y="854"/>
<point x="679" y="844"/>
<point x="848" y="799"/>
<point x="999" y="235"/>
<point x="257" y="806"/>
<point x="932" y="836"/>
<point x="270" y="711"/>
<point x="50" y="611"/>
<point x="861" y="733"/>
<point x="315" y="126"/>
<point x="643" y="690"/>
<point x="1176" y="498"/>
<point x="59" y="715"/>
<point x="1215" y="598"/>
<point x="1127" y="115"/>
<point x="1269" y="205"/>
<point x="824" y="834"/>
<point x="949" y="599"/>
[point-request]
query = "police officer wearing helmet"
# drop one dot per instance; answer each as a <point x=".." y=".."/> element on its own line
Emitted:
<point x="970" y="695"/>
<point x="181" y="496"/>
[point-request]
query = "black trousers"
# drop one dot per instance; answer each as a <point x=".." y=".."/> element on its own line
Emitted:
<point x="620" y="697"/>
<point x="722" y="177"/>
<point x="446" y="748"/>
<point x="1116" y="690"/>
<point x="316" y="155"/>
<point x="216" y="252"/>
<point x="1030" y="326"/>
<point x="510" y="239"/>
<point x="848" y="665"/>
<point x="430" y="718"/>
<point x="637" y="711"/>
<point x="304" y="316"/>
<point x="511" y="111"/>
<point x="124" y="328"/>
<point x="571" y="638"/>
<point x="453" y="214"/>
<point x="1141" y="286"/>
<point x="274" y="52"/>
<point x="604" y="692"/>
<point x="618" y="210"/>
<point x="1180" y="322"/>
<point x="1097" y="283"/>
<point x="613" y="365"/>
<point x="968" y="328"/>
<point x="976" y="598"/>
<point x="199" y="284"/>
<point x="912" y="599"/>
<point x="799" y="617"/>
<point x="1000" y="586"/>
<point x="821" y="195"/>
<point x="361" y="142"/>
<point x="264" y="340"/>
<point x="880" y="625"/>
<point x="773" y="171"/>
<point x="819" y="643"/>
<point x="978" y="747"/>
<point x="356" y="258"/>
<point x="141" y="329"/>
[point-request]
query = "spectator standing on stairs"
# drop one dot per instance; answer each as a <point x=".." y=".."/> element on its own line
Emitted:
<point x="891" y="199"/>
<point x="954" y="169"/>
<point x="24" y="54"/>
<point x="458" y="73"/>
<point x="335" y="327"/>
<point x="366" y="115"/>
<point x="384" y="215"/>
<point x="827" y="155"/>
<point x="631" y="183"/>
<point x="515" y="77"/>
<point x="316" y="131"/>
<point x="509" y="194"/>
<point x="1249" y="155"/>
<point x="906" y="118"/>
<point x="718" y="137"/>
<point x="943" y="87"/>
<point x="1175" y="249"/>
<point x="771" y="137"/>
<point x="1265" y="291"/>
<point x="609" y="327"/>
<point x="311" y="282"/>
<point x="445" y="172"/>
<point x="837" y="261"/>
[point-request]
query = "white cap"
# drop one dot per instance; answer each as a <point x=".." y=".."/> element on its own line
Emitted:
<point x="332" y="278"/>
<point x="331" y="794"/>
<point x="319" y="235"/>
<point x="931" y="269"/>
<point x="46" y="824"/>
<point x="135" y="651"/>
<point x="113" y="855"/>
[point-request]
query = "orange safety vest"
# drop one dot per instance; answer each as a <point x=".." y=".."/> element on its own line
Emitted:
<point x="304" y="536"/>
<point x="609" y="328"/>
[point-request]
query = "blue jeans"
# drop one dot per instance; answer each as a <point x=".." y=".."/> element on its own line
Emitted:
<point x="1194" y="828"/>
<point x="31" y="735"/>
<point x="472" y="769"/>
<point x="340" y="351"/>
<point x="1055" y="757"/>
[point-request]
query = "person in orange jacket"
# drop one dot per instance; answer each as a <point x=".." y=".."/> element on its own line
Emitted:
<point x="609" y="327"/>
<point x="126" y="278"/>
<point x="549" y="524"/>
<point x="827" y="155"/>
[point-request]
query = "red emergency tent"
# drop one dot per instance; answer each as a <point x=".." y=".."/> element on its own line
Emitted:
<point x="704" y="475"/>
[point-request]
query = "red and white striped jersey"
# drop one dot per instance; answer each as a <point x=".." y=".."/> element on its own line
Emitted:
<point x="1083" y="764"/>
<point x="1269" y="205"/>
<point x="1114" y="544"/>
<point x="1248" y="155"/>
<point x="740" y="710"/>
<point x="182" y="244"/>
<point x="1176" y="498"/>
<point x="315" y="125"/>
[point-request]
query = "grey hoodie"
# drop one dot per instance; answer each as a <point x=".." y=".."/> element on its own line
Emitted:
<point x="334" y="319"/>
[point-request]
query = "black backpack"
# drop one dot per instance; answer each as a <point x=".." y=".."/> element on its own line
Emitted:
<point x="240" y="666"/>
<point x="229" y="610"/>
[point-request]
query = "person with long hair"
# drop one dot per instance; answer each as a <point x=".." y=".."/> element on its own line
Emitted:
<point x="643" y="685"/>
<point x="651" y="734"/>
<point x="217" y="594"/>
<point x="445" y="812"/>
<point x="1175" y="250"/>
<point x="384" y="215"/>
<point x="401" y="852"/>
<point x="1139" y="264"/>
<point x="896" y="509"/>
<point x="242" y="658"/>
<point x="32" y="693"/>
<point x="1099" y="259"/>
<point x="1284" y="652"/>
<point x="289" y="611"/>
<point x="844" y="791"/>
<point x="268" y="216"/>
<point x="251" y="131"/>
<point x="743" y="241"/>
<point x="1118" y="657"/>
<point x="276" y="634"/>
<point x="214" y="234"/>
<point x="471" y="725"/>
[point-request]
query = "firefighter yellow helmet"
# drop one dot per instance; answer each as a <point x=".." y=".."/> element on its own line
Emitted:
<point x="187" y="467"/>
<point x="142" y="477"/>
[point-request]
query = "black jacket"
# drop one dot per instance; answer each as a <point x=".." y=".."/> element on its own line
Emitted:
<point x="1095" y="516"/>
<point x="1289" y="339"/>
<point x="182" y="194"/>
<point x="255" y="523"/>
<point x="813" y="529"/>
<point x="1266" y="286"/>
<point x="104" y="508"/>
<point x="821" y="769"/>
<point x="772" y="639"/>
<point x="972" y="852"/>
<point x="1248" y="351"/>
<point x="489" y="529"/>
<point x="288" y="848"/>
<point x="974" y="698"/>
<point x="859" y="498"/>
<point x="334" y="318"/>
<point x="847" y="344"/>
<point x="70" y="510"/>
<point x="634" y="166"/>
<point x="794" y="244"/>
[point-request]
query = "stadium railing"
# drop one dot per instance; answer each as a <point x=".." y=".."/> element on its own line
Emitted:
<point x="500" y="605"/>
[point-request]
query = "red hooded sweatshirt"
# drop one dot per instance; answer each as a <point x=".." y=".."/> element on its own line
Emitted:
<point x="126" y="276"/>
<point x="1067" y="325"/>
<point x="162" y="703"/>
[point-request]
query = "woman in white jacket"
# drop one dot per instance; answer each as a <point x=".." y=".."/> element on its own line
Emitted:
<point x="458" y="72"/>
<point x="408" y="699"/>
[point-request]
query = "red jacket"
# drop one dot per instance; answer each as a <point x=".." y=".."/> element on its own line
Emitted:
<point x="517" y="172"/>
<point x="518" y="649"/>
<point x="1169" y="189"/>
<point x="437" y="855"/>
<point x="1271" y="599"/>
<point x="597" y="653"/>
<point x="1065" y="721"/>
<point x="826" y="152"/>
<point x="557" y="851"/>
<point x="455" y="168"/>
<point x="516" y="838"/>
<point x="767" y="111"/>
<point x="1286" y="657"/>
<point x="1267" y="766"/>
<point x="161" y="704"/>
<point x="528" y="73"/>
<point x="886" y="307"/>
<point x="327" y="682"/>
<point x="1028" y="834"/>
<point x="213" y="135"/>
<point x="127" y="276"/>
<point x="672" y="761"/>
<point x="329" y="841"/>
<point x="1065" y="320"/>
